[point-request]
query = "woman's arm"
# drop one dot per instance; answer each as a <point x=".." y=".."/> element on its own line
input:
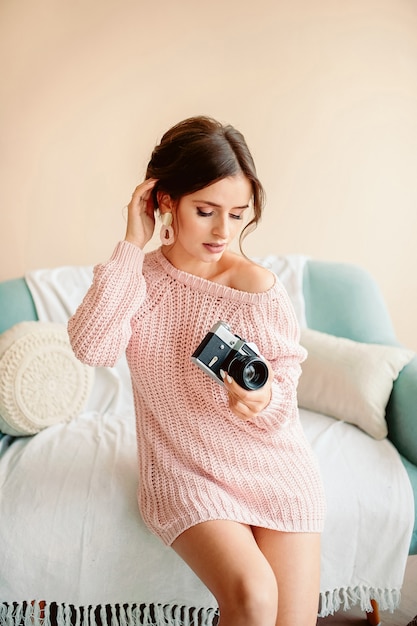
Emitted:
<point x="100" y="329"/>
<point x="275" y="330"/>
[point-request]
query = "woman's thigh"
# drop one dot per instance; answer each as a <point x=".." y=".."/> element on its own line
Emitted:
<point x="295" y="560"/>
<point x="226" y="557"/>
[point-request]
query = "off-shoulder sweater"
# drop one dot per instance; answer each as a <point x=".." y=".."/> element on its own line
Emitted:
<point x="197" y="460"/>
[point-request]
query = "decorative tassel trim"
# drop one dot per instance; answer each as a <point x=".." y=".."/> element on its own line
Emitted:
<point x="42" y="614"/>
<point x="345" y="598"/>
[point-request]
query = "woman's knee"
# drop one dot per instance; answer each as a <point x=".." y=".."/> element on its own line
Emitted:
<point x="252" y="598"/>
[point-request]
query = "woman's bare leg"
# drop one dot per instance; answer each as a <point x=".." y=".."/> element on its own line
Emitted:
<point x="295" y="560"/>
<point x="226" y="557"/>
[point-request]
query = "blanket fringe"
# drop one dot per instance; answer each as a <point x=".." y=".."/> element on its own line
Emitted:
<point x="42" y="614"/>
<point x="345" y="598"/>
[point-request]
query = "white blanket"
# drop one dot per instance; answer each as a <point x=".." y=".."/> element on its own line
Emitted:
<point x="75" y="534"/>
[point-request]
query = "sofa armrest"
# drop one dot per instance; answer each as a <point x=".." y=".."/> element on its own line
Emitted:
<point x="16" y="303"/>
<point x="411" y="470"/>
<point x="401" y="413"/>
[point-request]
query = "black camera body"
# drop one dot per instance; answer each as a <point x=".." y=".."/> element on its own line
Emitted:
<point x="222" y="350"/>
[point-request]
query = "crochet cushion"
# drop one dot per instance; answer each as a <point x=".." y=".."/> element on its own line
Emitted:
<point x="348" y="380"/>
<point x="41" y="381"/>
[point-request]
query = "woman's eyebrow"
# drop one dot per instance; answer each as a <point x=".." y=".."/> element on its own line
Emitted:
<point x="218" y="206"/>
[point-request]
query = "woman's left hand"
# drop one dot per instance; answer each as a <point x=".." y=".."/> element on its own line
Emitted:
<point x="246" y="403"/>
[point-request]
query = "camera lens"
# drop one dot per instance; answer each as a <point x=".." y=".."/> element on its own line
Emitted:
<point x="249" y="372"/>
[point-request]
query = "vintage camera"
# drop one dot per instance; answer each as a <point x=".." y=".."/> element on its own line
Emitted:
<point x="221" y="349"/>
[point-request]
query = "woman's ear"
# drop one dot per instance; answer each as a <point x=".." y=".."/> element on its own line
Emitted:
<point x="164" y="201"/>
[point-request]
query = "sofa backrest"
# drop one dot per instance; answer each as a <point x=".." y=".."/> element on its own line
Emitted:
<point x="340" y="298"/>
<point x="344" y="300"/>
<point x="16" y="303"/>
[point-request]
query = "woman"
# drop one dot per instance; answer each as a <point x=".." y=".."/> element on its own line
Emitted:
<point x="227" y="477"/>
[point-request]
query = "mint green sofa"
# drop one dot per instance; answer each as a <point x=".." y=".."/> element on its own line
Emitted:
<point x="340" y="299"/>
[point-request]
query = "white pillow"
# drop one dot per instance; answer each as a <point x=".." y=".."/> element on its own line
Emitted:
<point x="41" y="381"/>
<point x="348" y="380"/>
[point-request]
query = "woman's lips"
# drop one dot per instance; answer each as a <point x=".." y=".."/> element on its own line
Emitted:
<point x="214" y="247"/>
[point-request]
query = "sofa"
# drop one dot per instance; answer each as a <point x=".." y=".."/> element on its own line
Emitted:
<point x="73" y="549"/>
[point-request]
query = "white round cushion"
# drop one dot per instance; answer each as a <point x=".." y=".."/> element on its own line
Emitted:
<point x="41" y="380"/>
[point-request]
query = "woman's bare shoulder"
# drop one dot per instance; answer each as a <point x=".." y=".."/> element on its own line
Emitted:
<point x="251" y="277"/>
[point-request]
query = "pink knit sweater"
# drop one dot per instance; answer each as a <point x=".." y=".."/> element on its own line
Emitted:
<point x="197" y="460"/>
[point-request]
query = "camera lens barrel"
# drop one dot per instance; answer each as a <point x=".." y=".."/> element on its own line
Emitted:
<point x="248" y="371"/>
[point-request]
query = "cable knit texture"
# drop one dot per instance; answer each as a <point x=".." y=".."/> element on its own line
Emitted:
<point x="197" y="460"/>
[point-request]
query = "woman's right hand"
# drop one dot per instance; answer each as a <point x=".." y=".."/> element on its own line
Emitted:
<point x="141" y="214"/>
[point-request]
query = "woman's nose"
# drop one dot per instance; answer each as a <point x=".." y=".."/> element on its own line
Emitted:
<point x="221" y="227"/>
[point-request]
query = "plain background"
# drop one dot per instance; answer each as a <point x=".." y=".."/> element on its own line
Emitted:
<point x="325" y="92"/>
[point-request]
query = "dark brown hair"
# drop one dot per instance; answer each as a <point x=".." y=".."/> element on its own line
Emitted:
<point x="200" y="151"/>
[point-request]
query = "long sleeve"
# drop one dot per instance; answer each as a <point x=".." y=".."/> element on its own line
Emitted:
<point x="100" y="329"/>
<point x="280" y="345"/>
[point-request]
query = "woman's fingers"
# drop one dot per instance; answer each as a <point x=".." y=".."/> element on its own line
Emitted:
<point x="141" y="216"/>
<point x="142" y="194"/>
<point x="245" y="403"/>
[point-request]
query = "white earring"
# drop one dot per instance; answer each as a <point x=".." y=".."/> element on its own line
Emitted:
<point x="167" y="232"/>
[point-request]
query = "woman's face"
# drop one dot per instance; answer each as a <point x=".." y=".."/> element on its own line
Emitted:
<point x="207" y="221"/>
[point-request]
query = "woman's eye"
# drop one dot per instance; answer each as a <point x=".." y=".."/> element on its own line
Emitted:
<point x="204" y="213"/>
<point x="233" y="216"/>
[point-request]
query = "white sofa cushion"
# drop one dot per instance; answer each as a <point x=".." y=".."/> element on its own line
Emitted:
<point x="41" y="381"/>
<point x="348" y="380"/>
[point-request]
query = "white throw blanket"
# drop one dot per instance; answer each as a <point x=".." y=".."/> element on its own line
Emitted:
<point x="73" y="489"/>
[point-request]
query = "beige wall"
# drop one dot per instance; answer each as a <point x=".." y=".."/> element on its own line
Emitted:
<point x="325" y="92"/>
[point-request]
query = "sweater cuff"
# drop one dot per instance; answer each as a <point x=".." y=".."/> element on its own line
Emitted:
<point x="128" y="255"/>
<point x="272" y="414"/>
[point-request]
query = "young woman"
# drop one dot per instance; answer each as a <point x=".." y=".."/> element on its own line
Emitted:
<point x="227" y="477"/>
